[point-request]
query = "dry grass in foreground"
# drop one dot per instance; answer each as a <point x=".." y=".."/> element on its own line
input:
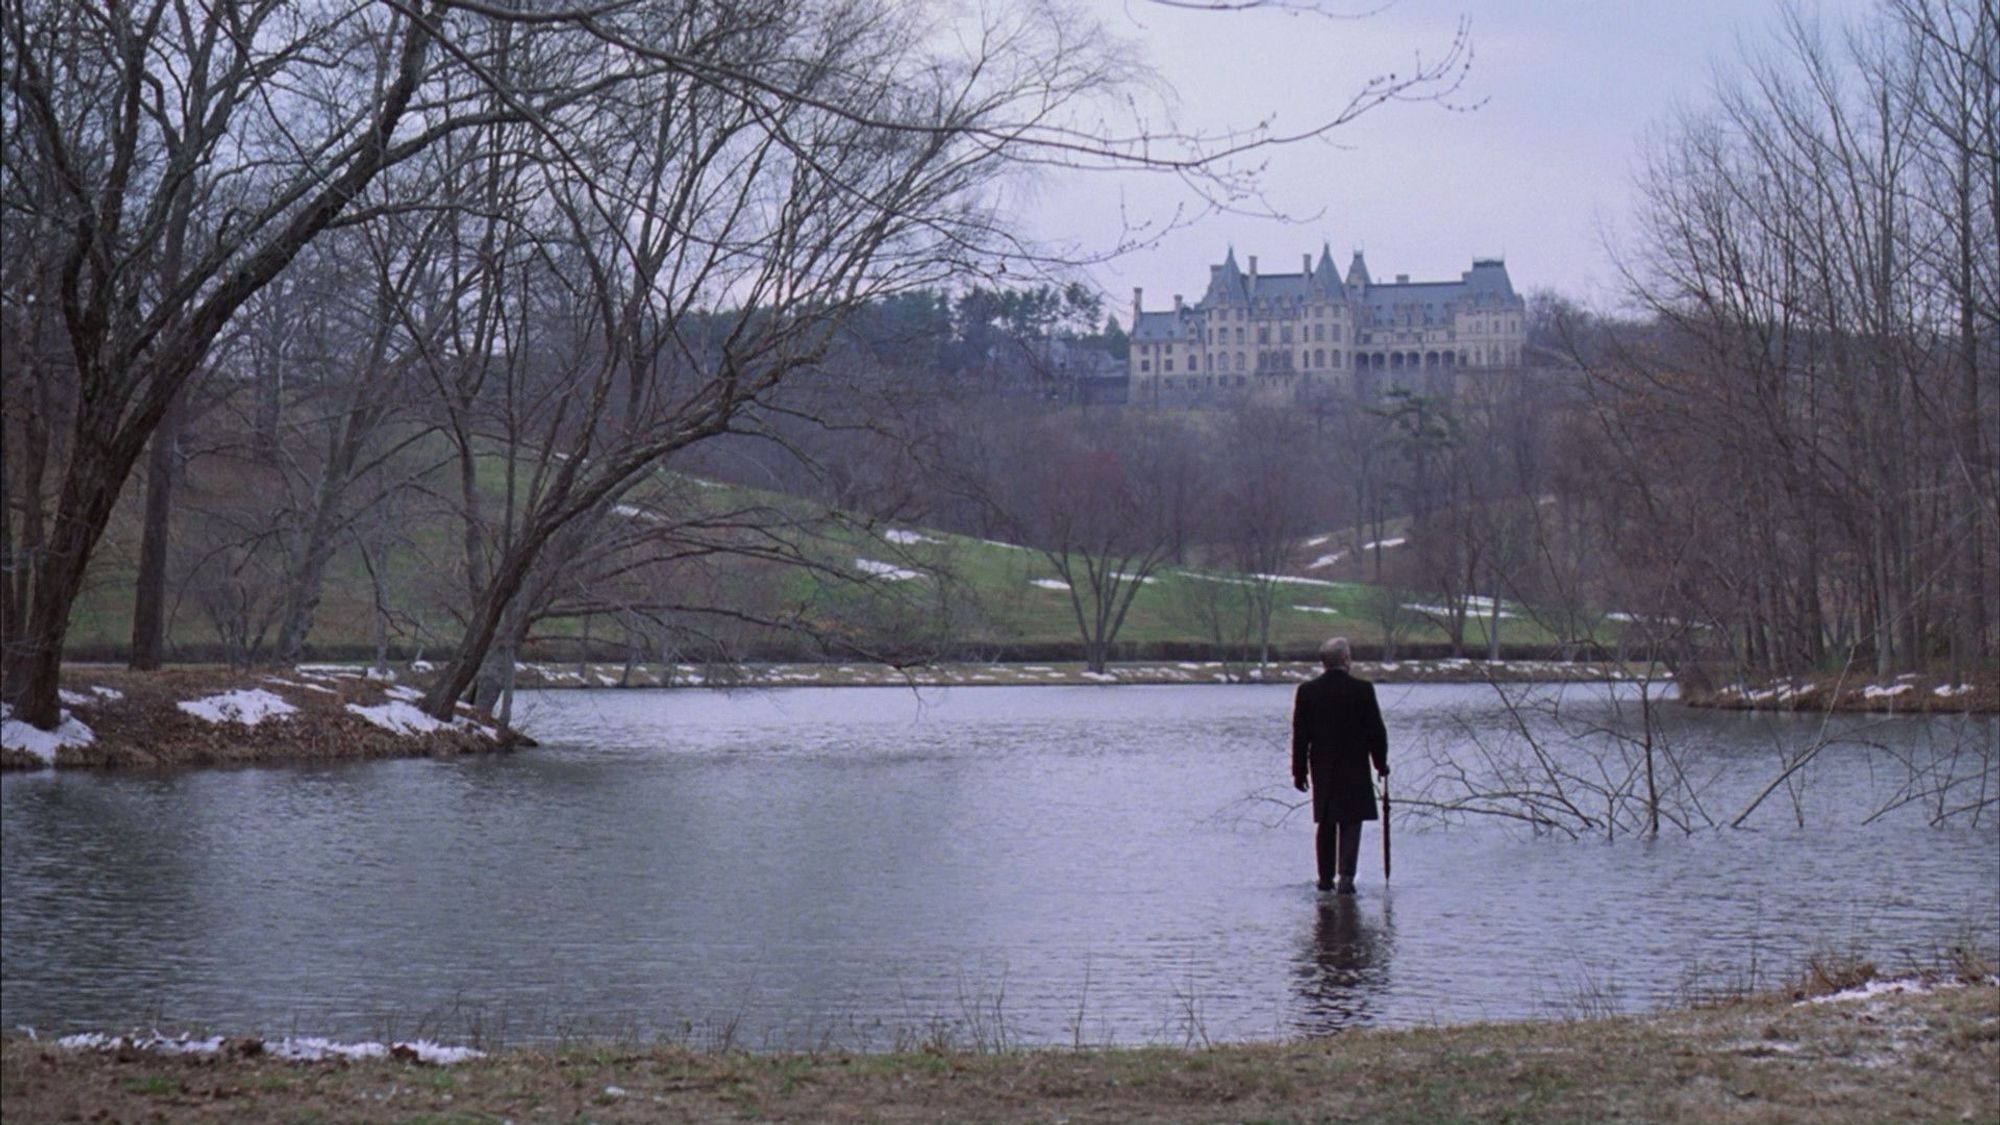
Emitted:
<point x="1927" y="1056"/>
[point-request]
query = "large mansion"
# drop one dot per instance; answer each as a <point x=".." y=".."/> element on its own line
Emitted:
<point x="1296" y="333"/>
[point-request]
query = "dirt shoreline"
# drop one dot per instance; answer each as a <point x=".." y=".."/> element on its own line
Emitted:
<point x="1977" y="692"/>
<point x="1866" y="1056"/>
<point x="220" y="716"/>
<point x="341" y="712"/>
<point x="1907" y="694"/>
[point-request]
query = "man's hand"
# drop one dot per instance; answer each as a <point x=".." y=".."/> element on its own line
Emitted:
<point x="1299" y="783"/>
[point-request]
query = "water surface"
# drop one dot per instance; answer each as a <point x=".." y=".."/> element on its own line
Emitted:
<point x="872" y="867"/>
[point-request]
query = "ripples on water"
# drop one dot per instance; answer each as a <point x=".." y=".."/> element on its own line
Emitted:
<point x="869" y="867"/>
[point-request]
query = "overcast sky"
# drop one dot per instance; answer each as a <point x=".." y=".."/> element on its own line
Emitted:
<point x="1537" y="173"/>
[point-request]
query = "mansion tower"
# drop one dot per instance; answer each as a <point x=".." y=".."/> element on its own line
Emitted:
<point x="1293" y="334"/>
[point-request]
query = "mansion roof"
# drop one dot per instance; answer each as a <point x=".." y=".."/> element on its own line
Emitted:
<point x="1229" y="285"/>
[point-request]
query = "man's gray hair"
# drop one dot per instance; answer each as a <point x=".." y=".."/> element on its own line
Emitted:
<point x="1336" y="652"/>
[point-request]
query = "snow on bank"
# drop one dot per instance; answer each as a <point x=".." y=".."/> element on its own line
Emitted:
<point x="1254" y="579"/>
<point x="907" y="538"/>
<point x="43" y="744"/>
<point x="249" y="706"/>
<point x="1384" y="544"/>
<point x="1050" y="583"/>
<point x="282" y="682"/>
<point x="303" y="1049"/>
<point x="400" y="717"/>
<point x="1913" y="986"/>
<point x="887" y="571"/>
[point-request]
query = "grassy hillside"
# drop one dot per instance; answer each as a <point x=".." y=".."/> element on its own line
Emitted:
<point x="902" y="587"/>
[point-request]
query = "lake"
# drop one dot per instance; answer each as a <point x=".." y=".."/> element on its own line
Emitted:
<point x="875" y="867"/>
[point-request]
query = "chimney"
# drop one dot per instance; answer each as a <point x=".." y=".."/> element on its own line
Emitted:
<point x="1177" y="304"/>
<point x="1137" y="293"/>
<point x="1253" y="274"/>
<point x="1305" y="265"/>
<point x="1402" y="279"/>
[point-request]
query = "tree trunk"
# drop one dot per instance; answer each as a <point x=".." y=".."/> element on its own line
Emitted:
<point x="480" y="630"/>
<point x="33" y="673"/>
<point x="308" y="582"/>
<point x="149" y="616"/>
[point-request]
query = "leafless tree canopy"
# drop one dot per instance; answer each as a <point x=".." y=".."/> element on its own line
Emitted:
<point x="572" y="239"/>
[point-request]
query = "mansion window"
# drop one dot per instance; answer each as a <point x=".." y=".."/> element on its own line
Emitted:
<point x="1169" y="365"/>
<point x="1145" y="365"/>
<point x="1319" y="357"/>
<point x="1285" y="334"/>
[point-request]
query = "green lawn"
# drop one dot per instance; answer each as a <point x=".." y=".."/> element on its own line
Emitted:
<point x="970" y="590"/>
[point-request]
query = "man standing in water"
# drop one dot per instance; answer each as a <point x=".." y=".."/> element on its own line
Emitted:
<point x="1336" y="733"/>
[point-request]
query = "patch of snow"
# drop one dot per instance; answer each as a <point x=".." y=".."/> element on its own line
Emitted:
<point x="1384" y="544"/>
<point x="906" y="538"/>
<point x="43" y="744"/>
<point x="1324" y="561"/>
<point x="1906" y="985"/>
<point x="321" y="688"/>
<point x="1318" y="540"/>
<point x="1280" y="579"/>
<point x="1315" y="609"/>
<point x="75" y="698"/>
<point x="113" y="695"/>
<point x="381" y="675"/>
<point x="154" y="1042"/>
<point x="889" y="571"/>
<point x="422" y="666"/>
<point x="300" y="1049"/>
<point x="1471" y="609"/>
<point x="399" y="717"/>
<point x="1050" y="583"/>
<point x="1946" y="691"/>
<point x="640" y="514"/>
<point x="326" y="671"/>
<point x="406" y="694"/>
<point x="1876" y="691"/>
<point x="1295" y="580"/>
<point x="248" y="707"/>
<point x="1100" y="677"/>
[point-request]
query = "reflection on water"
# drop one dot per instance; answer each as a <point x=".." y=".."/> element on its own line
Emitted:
<point x="1343" y="964"/>
<point x="868" y="866"/>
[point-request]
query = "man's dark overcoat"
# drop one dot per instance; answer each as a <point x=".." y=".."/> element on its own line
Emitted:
<point x="1337" y="731"/>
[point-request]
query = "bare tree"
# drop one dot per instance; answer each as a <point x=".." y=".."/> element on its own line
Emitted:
<point x="1083" y="491"/>
<point x="1271" y="491"/>
<point x="1818" y="334"/>
<point x="165" y="163"/>
<point x="175" y="160"/>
